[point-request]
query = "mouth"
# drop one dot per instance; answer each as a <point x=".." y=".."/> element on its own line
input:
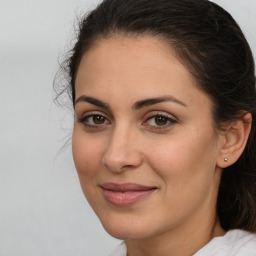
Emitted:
<point x="125" y="194"/>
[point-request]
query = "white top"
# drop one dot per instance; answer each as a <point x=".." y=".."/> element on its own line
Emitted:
<point x="234" y="243"/>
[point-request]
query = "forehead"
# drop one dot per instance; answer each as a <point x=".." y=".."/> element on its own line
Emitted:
<point x="134" y="68"/>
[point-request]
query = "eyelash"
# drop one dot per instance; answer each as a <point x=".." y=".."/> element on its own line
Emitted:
<point x="169" y="121"/>
<point x="84" y="120"/>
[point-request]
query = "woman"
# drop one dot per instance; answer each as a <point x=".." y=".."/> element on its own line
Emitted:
<point x="164" y="131"/>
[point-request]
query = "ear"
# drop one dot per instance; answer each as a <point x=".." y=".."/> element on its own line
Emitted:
<point x="234" y="140"/>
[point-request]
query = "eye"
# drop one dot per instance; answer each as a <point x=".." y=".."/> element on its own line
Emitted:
<point x="159" y="121"/>
<point x="94" y="120"/>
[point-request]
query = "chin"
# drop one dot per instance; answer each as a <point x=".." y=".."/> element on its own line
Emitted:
<point x="129" y="228"/>
<point x="125" y="233"/>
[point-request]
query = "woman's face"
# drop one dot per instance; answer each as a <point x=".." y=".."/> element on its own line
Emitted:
<point x="144" y="144"/>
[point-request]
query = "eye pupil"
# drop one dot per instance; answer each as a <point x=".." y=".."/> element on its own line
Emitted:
<point x="160" y="120"/>
<point x="98" y="119"/>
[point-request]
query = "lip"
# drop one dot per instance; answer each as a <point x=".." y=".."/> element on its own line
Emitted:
<point x="125" y="194"/>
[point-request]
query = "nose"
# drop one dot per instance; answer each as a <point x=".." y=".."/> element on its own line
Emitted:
<point x="122" y="152"/>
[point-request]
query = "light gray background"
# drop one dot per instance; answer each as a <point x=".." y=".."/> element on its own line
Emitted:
<point x="42" y="209"/>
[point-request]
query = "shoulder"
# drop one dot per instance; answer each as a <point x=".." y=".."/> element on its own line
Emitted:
<point x="235" y="242"/>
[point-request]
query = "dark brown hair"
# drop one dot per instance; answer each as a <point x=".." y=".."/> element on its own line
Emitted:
<point x="211" y="45"/>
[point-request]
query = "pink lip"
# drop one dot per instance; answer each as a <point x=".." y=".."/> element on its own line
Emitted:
<point x="125" y="194"/>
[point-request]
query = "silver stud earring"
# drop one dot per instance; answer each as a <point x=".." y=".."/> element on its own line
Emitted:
<point x="225" y="159"/>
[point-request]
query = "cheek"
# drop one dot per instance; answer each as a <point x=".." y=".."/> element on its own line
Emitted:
<point x="184" y="159"/>
<point x="87" y="155"/>
<point x="187" y="176"/>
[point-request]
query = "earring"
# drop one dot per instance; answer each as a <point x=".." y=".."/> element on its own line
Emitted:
<point x="225" y="159"/>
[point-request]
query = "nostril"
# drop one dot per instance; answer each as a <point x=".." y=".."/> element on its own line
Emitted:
<point x="128" y="167"/>
<point x="122" y="162"/>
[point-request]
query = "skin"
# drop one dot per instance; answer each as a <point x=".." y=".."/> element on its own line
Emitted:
<point x="179" y="158"/>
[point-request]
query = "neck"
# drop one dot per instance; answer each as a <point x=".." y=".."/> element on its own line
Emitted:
<point x="178" y="242"/>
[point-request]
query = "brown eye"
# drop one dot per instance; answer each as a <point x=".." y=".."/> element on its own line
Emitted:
<point x="94" y="120"/>
<point x="161" y="120"/>
<point x="97" y="119"/>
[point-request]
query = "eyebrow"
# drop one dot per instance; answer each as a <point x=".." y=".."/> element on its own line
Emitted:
<point x="148" y="102"/>
<point x="93" y="101"/>
<point x="138" y="105"/>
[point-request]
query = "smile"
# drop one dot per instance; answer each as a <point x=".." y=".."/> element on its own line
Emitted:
<point x="125" y="194"/>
